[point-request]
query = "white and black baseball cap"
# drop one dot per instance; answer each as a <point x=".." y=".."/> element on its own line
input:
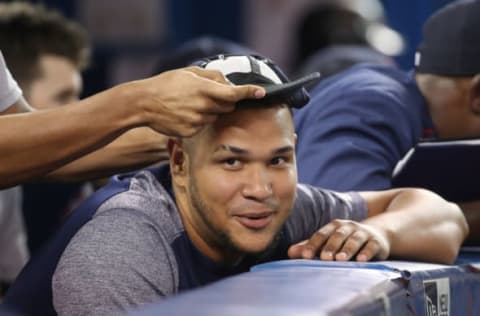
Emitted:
<point x="261" y="71"/>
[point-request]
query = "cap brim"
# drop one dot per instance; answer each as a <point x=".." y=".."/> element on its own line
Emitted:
<point x="278" y="90"/>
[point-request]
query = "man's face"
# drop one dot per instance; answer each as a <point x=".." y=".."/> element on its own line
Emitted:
<point x="241" y="181"/>
<point x="59" y="83"/>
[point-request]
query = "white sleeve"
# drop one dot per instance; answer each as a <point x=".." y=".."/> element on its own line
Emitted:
<point x="10" y="92"/>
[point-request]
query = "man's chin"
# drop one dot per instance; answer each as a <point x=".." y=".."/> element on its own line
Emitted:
<point x="255" y="246"/>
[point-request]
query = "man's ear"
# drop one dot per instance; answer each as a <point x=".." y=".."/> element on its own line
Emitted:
<point x="178" y="160"/>
<point x="475" y="95"/>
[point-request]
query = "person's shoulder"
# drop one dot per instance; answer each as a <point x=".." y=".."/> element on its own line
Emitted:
<point x="375" y="71"/>
<point x="364" y="87"/>
<point x="363" y="76"/>
<point x="365" y="91"/>
<point x="146" y="195"/>
<point x="126" y="243"/>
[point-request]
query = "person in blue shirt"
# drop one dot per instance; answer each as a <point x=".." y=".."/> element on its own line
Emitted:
<point x="360" y="123"/>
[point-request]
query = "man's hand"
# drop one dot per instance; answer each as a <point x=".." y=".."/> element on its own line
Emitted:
<point x="180" y="102"/>
<point x="342" y="240"/>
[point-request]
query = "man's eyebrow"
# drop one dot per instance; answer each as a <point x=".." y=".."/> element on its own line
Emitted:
<point x="283" y="150"/>
<point x="241" y="151"/>
<point x="232" y="149"/>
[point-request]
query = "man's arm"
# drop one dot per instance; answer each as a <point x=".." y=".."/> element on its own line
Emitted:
<point x="404" y="223"/>
<point x="135" y="149"/>
<point x="38" y="142"/>
<point x="176" y="103"/>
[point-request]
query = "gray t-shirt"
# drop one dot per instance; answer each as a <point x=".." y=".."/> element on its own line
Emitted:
<point x="135" y="249"/>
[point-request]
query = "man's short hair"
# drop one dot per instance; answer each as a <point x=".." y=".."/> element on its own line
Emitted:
<point x="27" y="32"/>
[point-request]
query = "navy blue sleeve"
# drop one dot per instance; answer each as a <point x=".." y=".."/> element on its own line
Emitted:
<point x="354" y="131"/>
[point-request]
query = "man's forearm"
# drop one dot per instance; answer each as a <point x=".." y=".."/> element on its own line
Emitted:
<point x="135" y="149"/>
<point x="66" y="133"/>
<point x="422" y="226"/>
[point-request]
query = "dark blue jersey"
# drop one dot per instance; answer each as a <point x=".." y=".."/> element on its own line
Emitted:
<point x="357" y="126"/>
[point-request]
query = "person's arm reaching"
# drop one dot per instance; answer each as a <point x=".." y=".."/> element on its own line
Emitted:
<point x="176" y="103"/>
<point x="404" y="223"/>
<point x="137" y="148"/>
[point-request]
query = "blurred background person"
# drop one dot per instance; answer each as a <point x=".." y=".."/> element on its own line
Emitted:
<point x="333" y="36"/>
<point x="332" y="23"/>
<point x="196" y="49"/>
<point x="45" y="53"/>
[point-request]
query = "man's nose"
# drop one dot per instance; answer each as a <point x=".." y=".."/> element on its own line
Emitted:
<point x="258" y="184"/>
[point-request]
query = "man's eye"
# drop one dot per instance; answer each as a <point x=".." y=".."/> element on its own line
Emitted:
<point x="232" y="163"/>
<point x="278" y="161"/>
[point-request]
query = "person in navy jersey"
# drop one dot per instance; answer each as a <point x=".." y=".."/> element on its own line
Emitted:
<point x="229" y="199"/>
<point x="361" y="122"/>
